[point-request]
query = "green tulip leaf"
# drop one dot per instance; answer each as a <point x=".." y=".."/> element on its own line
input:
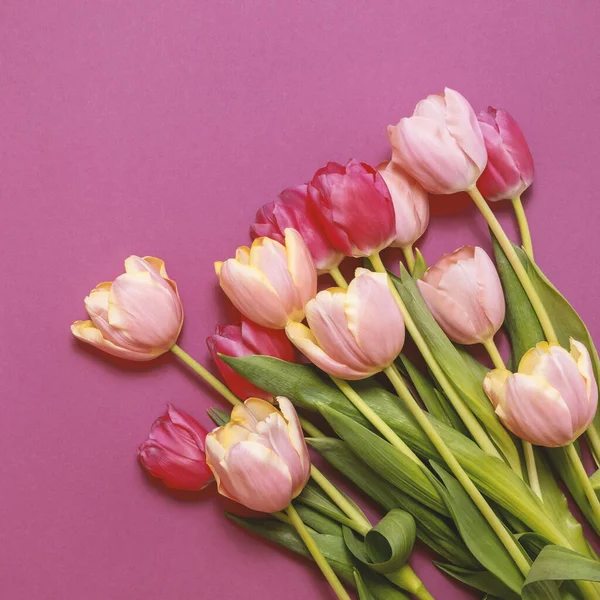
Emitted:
<point x="219" y="417"/>
<point x="478" y="534"/>
<point x="480" y="580"/>
<point x="420" y="265"/>
<point x="317" y="520"/>
<point x="361" y="588"/>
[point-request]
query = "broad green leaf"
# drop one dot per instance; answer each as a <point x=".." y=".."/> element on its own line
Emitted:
<point x="391" y="464"/>
<point x="595" y="480"/>
<point x="453" y="365"/>
<point x="478" y="534"/>
<point x="387" y="546"/>
<point x="361" y="588"/>
<point x="317" y="520"/>
<point x="432" y="529"/>
<point x="480" y="580"/>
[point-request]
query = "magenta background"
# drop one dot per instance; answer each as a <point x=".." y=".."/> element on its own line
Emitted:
<point x="155" y="127"/>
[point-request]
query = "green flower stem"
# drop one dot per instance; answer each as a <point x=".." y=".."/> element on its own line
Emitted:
<point x="375" y="420"/>
<point x="486" y="510"/>
<point x="532" y="474"/>
<point x="584" y="479"/>
<point x="317" y="555"/>
<point x="594" y="440"/>
<point x="467" y="417"/>
<point x="523" y="226"/>
<point x="517" y="265"/>
<point x="339" y="279"/>
<point x="407" y="579"/>
<point x="409" y="257"/>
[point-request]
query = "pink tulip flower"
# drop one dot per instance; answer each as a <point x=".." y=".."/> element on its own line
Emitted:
<point x="411" y="205"/>
<point x="138" y="316"/>
<point x="270" y="283"/>
<point x="260" y="458"/>
<point x="464" y="294"/>
<point x="441" y="145"/>
<point x="174" y="452"/>
<point x="247" y="339"/>
<point x="509" y="170"/>
<point x="352" y="333"/>
<point x="291" y="210"/>
<point x="553" y="397"/>
<point x="354" y="208"/>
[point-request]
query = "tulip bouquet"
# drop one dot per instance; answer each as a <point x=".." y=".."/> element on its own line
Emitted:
<point x="465" y="458"/>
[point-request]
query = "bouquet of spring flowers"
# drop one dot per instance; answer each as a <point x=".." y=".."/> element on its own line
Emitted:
<point x="465" y="458"/>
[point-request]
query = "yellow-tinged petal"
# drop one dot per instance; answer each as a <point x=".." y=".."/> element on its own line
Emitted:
<point x="218" y="265"/>
<point x="494" y="385"/>
<point x="532" y="357"/>
<point x="301" y="267"/>
<point x="242" y="255"/>
<point x="259" y="408"/>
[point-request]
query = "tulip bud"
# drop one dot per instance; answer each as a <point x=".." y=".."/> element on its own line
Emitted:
<point x="247" y="339"/>
<point x="354" y="208"/>
<point x="291" y="210"/>
<point x="411" y="205"/>
<point x="138" y="316"/>
<point x="553" y="397"/>
<point x="509" y="171"/>
<point x="441" y="145"/>
<point x="260" y="458"/>
<point x="174" y="452"/>
<point x="464" y="294"/>
<point x="353" y="333"/>
<point x="270" y="283"/>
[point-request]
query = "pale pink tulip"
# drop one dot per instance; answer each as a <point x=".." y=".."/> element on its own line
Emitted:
<point x="354" y="207"/>
<point x="260" y="458"/>
<point x="553" y="397"/>
<point x="270" y="283"/>
<point x="411" y="205"/>
<point x="464" y="294"/>
<point x="441" y="145"/>
<point x="352" y="333"/>
<point x="291" y="210"/>
<point x="509" y="170"/>
<point x="174" y="451"/>
<point x="138" y="316"/>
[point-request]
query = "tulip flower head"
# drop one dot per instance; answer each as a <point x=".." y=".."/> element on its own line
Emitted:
<point x="354" y="207"/>
<point x="411" y="205"/>
<point x="175" y="453"/>
<point x="138" y="316"/>
<point x="352" y="333"/>
<point x="291" y="210"/>
<point x="553" y="397"/>
<point x="441" y="145"/>
<point x="247" y="339"/>
<point x="509" y="170"/>
<point x="464" y="294"/>
<point x="260" y="458"/>
<point x="270" y="283"/>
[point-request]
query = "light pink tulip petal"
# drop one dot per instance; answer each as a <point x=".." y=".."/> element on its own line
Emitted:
<point x="464" y="128"/>
<point x="252" y="294"/>
<point x="374" y="318"/>
<point x="258" y="409"/>
<point x="433" y="107"/>
<point x="269" y="257"/>
<point x="296" y="436"/>
<point x="451" y="317"/>
<point x="535" y="412"/>
<point x="146" y="310"/>
<point x="584" y="363"/>
<point x="301" y="268"/>
<point x="494" y="385"/>
<point x="256" y="477"/>
<point x="490" y="293"/>
<point x="327" y="319"/>
<point x="87" y="332"/>
<point x="302" y="337"/>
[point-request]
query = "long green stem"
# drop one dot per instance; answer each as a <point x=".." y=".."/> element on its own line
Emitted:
<point x="486" y="510"/>
<point x="375" y="420"/>
<point x="532" y="474"/>
<point x="409" y="257"/>
<point x="517" y="265"/>
<point x="584" y="480"/>
<point x="339" y="279"/>
<point x="467" y="417"/>
<point x="594" y="440"/>
<point x="523" y="226"/>
<point x="317" y="555"/>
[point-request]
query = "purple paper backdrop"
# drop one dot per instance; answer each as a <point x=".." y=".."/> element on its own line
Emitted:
<point x="155" y="127"/>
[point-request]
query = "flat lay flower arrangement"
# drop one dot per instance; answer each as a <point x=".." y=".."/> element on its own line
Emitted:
<point x="474" y="462"/>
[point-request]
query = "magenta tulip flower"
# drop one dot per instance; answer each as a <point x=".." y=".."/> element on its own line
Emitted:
<point x="175" y="453"/>
<point x="464" y="294"/>
<point x="509" y="170"/>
